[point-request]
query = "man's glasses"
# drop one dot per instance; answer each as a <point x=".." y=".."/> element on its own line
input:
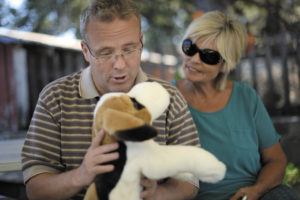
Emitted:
<point x="207" y="56"/>
<point x="127" y="54"/>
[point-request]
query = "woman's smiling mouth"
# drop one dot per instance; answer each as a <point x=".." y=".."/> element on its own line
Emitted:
<point x="192" y="69"/>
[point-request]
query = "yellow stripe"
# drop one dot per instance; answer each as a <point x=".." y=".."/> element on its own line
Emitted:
<point x="73" y="157"/>
<point x="44" y="129"/>
<point x="77" y="120"/>
<point x="44" y="122"/>
<point x="43" y="136"/>
<point x="39" y="142"/>
<point x="37" y="149"/>
<point x="75" y="142"/>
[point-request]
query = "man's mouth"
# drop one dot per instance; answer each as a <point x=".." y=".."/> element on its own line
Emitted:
<point x="119" y="78"/>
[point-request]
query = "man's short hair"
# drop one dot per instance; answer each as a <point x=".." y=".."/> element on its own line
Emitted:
<point x="107" y="11"/>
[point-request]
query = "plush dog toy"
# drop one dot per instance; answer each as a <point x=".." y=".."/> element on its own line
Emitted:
<point x="126" y="118"/>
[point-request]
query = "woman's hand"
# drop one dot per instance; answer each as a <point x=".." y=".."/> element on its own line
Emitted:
<point x="149" y="191"/>
<point x="250" y="192"/>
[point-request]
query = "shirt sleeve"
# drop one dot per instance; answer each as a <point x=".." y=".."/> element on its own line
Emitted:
<point x="265" y="129"/>
<point x="41" y="150"/>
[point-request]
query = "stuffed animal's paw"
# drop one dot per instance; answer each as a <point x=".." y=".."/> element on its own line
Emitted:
<point x="215" y="173"/>
<point x="184" y="176"/>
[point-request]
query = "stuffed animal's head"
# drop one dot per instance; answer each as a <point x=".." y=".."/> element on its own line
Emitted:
<point x="128" y="116"/>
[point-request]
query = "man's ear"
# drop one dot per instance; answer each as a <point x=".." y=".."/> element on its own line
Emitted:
<point x="141" y="37"/>
<point x="85" y="51"/>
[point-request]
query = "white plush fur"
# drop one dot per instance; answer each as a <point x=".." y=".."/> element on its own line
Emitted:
<point x="155" y="161"/>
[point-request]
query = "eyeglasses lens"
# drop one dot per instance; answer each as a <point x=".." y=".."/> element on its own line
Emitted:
<point x="189" y="48"/>
<point x="208" y="56"/>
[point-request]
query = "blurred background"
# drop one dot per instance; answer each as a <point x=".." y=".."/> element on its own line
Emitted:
<point x="40" y="42"/>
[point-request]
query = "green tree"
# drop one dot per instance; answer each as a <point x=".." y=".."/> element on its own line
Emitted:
<point x="7" y="15"/>
<point x="51" y="16"/>
<point x="163" y="21"/>
<point x="268" y="16"/>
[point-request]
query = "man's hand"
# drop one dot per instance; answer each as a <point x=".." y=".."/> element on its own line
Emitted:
<point x="92" y="164"/>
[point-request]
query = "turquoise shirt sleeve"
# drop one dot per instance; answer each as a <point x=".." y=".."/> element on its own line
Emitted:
<point x="265" y="129"/>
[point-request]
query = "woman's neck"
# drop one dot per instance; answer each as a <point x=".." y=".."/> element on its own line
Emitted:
<point x="204" y="96"/>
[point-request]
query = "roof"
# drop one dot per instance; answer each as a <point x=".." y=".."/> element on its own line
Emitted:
<point x="16" y="36"/>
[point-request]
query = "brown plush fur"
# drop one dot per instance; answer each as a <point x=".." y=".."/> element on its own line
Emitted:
<point x="118" y="113"/>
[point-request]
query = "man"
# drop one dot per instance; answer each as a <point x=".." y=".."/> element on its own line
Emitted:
<point x="59" y="159"/>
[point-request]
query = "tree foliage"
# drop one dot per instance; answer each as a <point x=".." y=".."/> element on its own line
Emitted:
<point x="163" y="21"/>
<point x="7" y="15"/>
<point x="270" y="17"/>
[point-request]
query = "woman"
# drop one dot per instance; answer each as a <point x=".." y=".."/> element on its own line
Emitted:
<point x="231" y="119"/>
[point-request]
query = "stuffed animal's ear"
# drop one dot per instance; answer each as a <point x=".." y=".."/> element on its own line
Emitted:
<point x="137" y="134"/>
<point x="153" y="96"/>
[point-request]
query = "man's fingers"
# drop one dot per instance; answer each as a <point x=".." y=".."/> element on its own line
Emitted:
<point x="103" y="158"/>
<point x="97" y="139"/>
<point x="106" y="148"/>
<point x="104" y="169"/>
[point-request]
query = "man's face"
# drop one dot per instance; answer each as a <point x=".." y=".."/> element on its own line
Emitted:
<point x="114" y="53"/>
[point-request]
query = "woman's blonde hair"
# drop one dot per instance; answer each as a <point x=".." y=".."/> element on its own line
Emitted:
<point x="228" y="34"/>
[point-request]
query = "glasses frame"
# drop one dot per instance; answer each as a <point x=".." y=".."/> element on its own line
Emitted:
<point x="193" y="49"/>
<point x="113" y="55"/>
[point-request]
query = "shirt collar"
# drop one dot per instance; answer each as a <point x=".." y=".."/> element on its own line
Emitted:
<point x="87" y="88"/>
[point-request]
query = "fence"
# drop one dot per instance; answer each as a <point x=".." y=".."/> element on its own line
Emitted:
<point x="274" y="71"/>
<point x="29" y="61"/>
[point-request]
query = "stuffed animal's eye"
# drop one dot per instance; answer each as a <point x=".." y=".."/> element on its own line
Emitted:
<point x="136" y="104"/>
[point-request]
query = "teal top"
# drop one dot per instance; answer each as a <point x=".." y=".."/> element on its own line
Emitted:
<point x="235" y="135"/>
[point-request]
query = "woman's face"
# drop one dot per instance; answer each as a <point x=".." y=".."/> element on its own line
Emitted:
<point x="196" y="70"/>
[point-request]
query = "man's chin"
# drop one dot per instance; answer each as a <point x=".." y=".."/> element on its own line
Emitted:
<point x="120" y="88"/>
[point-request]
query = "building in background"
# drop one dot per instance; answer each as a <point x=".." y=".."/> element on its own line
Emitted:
<point x="28" y="61"/>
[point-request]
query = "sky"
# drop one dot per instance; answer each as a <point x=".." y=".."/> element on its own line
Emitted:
<point x="15" y="3"/>
<point x="70" y="34"/>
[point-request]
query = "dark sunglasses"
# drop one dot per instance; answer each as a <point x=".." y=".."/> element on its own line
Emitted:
<point x="207" y="56"/>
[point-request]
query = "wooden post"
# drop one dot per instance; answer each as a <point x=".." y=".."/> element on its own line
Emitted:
<point x="285" y="78"/>
<point x="8" y="116"/>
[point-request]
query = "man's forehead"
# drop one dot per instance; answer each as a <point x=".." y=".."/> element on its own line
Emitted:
<point x="116" y="33"/>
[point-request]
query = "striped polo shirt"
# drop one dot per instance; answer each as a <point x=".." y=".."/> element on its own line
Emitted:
<point x="60" y="130"/>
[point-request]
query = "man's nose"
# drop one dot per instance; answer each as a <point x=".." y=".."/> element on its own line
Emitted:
<point x="119" y="61"/>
